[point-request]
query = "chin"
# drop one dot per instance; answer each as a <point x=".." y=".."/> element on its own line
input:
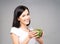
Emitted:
<point x="28" y="24"/>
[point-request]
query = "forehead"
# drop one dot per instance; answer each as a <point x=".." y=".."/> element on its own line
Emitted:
<point x="25" y="12"/>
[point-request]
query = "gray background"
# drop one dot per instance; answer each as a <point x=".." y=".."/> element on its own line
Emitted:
<point x="44" y="14"/>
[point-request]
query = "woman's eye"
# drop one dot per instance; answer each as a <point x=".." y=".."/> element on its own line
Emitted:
<point x="23" y="16"/>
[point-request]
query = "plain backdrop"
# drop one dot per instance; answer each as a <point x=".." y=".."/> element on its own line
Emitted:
<point x="44" y="14"/>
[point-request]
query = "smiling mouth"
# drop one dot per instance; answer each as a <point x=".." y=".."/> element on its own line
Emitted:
<point x="27" y="20"/>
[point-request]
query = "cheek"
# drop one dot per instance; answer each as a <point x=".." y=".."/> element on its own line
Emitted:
<point x="28" y="17"/>
<point x="21" y="19"/>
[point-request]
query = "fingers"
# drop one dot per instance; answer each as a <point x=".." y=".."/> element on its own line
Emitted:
<point x="32" y="34"/>
<point x="41" y="36"/>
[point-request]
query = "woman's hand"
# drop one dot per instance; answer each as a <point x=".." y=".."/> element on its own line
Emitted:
<point x="32" y="34"/>
<point x="40" y="40"/>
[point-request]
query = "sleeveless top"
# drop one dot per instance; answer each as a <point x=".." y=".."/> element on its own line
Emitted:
<point x="22" y="35"/>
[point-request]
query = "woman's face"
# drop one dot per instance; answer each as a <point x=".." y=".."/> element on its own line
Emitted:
<point x="24" y="18"/>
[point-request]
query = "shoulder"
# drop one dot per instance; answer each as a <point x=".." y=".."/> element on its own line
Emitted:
<point x="15" y="30"/>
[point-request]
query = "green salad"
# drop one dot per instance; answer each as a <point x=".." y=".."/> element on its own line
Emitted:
<point x="39" y="32"/>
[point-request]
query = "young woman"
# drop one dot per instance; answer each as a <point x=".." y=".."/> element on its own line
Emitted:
<point x="20" y="31"/>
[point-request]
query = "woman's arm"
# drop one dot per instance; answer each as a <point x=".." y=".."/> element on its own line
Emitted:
<point x="14" y="38"/>
<point x="40" y="40"/>
<point x="30" y="35"/>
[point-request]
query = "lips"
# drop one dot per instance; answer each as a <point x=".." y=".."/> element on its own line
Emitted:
<point x="26" y="21"/>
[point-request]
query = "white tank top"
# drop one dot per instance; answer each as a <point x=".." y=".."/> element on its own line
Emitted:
<point x="22" y="35"/>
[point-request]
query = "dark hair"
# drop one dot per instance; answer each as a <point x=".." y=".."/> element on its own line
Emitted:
<point x="17" y="12"/>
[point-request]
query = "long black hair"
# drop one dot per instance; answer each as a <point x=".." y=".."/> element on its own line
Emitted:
<point x="17" y="12"/>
